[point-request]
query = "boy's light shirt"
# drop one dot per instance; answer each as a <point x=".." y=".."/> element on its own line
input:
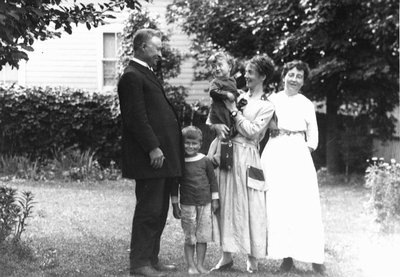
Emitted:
<point x="198" y="157"/>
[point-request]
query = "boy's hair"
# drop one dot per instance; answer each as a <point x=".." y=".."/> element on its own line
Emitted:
<point x="220" y="56"/>
<point x="192" y="132"/>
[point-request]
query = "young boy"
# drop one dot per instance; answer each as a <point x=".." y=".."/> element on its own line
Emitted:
<point x="198" y="200"/>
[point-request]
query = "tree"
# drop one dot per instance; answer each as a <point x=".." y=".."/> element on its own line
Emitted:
<point x="171" y="58"/>
<point x="24" y="21"/>
<point x="351" y="46"/>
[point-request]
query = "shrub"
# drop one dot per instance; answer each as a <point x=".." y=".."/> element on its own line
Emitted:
<point x="70" y="164"/>
<point x="14" y="210"/>
<point x="36" y="123"/>
<point x="384" y="181"/>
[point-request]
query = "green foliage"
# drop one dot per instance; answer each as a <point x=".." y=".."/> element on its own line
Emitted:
<point x="35" y="122"/>
<point x="352" y="47"/>
<point x="19" y="166"/>
<point x="68" y="165"/>
<point x="355" y="144"/>
<point x="47" y="131"/>
<point x="171" y="58"/>
<point x="14" y="210"/>
<point x="384" y="181"/>
<point x="74" y="165"/>
<point x="23" y="22"/>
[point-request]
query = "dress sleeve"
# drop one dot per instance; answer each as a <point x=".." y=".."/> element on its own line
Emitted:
<point x="212" y="179"/>
<point x="251" y="128"/>
<point x="312" y="126"/>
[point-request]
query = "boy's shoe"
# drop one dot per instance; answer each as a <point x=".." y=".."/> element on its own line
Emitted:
<point x="319" y="268"/>
<point x="286" y="265"/>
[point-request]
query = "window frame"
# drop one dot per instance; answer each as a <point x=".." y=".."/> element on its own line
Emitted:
<point x="115" y="28"/>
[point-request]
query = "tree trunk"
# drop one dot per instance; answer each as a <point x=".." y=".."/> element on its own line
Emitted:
<point x="332" y="133"/>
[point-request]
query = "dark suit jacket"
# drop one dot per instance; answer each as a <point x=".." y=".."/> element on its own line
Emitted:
<point x="148" y="121"/>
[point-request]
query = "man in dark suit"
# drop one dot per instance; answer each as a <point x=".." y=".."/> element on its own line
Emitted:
<point x="152" y="151"/>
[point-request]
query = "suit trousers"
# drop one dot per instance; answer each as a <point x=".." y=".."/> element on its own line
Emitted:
<point x="152" y="204"/>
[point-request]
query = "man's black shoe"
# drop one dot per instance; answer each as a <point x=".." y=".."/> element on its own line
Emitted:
<point x="147" y="271"/>
<point x="164" y="267"/>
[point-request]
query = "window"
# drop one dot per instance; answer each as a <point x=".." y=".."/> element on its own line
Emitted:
<point x="111" y="44"/>
<point x="8" y="75"/>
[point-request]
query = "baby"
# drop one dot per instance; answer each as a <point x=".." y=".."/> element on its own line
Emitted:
<point x="222" y="87"/>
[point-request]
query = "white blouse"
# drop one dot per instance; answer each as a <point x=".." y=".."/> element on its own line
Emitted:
<point x="296" y="113"/>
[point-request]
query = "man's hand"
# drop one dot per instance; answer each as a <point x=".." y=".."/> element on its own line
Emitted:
<point x="215" y="205"/>
<point x="176" y="210"/>
<point x="156" y="158"/>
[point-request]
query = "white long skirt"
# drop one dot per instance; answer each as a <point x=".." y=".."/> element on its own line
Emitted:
<point x="242" y="221"/>
<point x="293" y="206"/>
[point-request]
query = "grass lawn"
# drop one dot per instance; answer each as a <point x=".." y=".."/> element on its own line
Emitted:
<point x="83" y="229"/>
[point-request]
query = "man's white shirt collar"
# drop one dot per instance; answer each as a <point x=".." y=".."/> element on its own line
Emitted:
<point x="141" y="63"/>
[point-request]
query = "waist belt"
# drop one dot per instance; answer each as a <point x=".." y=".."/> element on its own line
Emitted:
<point x="279" y="132"/>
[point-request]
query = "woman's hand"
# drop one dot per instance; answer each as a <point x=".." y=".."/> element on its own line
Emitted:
<point x="221" y="129"/>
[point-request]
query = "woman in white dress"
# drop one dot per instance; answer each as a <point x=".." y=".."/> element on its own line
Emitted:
<point x="243" y="222"/>
<point x="295" y="229"/>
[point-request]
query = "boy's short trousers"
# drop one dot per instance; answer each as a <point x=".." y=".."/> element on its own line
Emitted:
<point x="196" y="223"/>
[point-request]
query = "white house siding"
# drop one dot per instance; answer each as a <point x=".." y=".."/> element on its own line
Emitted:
<point x="76" y="60"/>
<point x="69" y="61"/>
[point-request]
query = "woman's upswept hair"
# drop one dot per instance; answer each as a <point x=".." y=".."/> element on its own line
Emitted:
<point x="264" y="66"/>
<point x="299" y="65"/>
<point x="192" y="132"/>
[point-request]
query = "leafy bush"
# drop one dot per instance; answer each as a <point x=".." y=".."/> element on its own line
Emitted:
<point x="384" y="181"/>
<point x="18" y="166"/>
<point x="36" y="121"/>
<point x="14" y="210"/>
<point x="69" y="165"/>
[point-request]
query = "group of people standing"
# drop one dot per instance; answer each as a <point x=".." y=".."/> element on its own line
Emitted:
<point x="265" y="204"/>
